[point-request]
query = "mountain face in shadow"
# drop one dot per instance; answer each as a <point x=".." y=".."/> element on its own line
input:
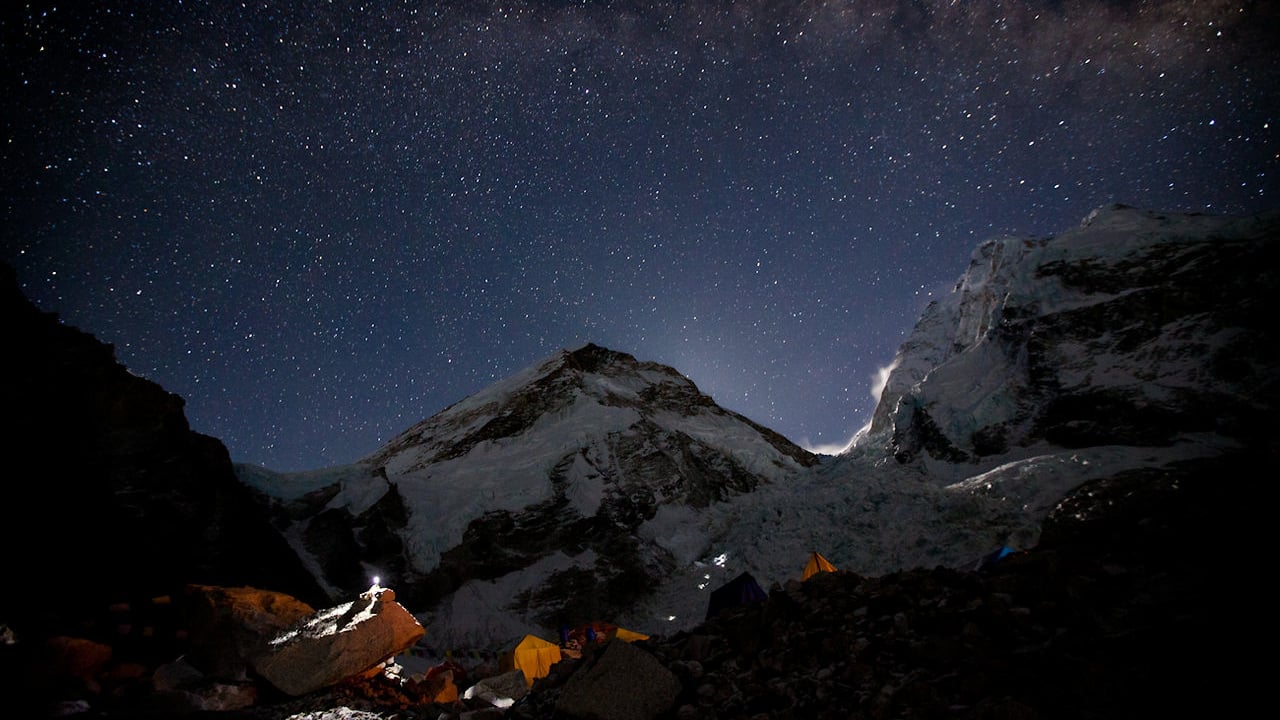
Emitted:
<point x="109" y="494"/>
<point x="1135" y="328"/>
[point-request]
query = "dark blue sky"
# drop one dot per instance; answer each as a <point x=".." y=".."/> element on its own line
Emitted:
<point x="320" y="223"/>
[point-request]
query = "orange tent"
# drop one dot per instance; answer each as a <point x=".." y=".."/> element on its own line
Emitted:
<point x="533" y="656"/>
<point x="626" y="635"/>
<point x="817" y="564"/>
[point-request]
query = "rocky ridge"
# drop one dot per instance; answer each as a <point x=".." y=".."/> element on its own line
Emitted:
<point x="1135" y="328"/>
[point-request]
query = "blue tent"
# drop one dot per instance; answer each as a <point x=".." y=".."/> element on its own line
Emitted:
<point x="742" y="590"/>
<point x="994" y="557"/>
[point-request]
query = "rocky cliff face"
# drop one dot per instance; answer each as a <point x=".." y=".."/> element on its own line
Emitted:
<point x="110" y="496"/>
<point x="519" y="508"/>
<point x="1136" y="328"/>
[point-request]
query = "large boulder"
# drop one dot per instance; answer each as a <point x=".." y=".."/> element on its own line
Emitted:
<point x="500" y="691"/>
<point x="624" y="683"/>
<point x="230" y="625"/>
<point x="71" y="663"/>
<point x="338" y="643"/>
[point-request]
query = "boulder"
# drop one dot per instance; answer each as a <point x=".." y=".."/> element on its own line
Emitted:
<point x="338" y="643"/>
<point x="625" y="683"/>
<point x="179" y="688"/>
<point x="500" y="690"/>
<point x="72" y="663"/>
<point x="229" y="625"/>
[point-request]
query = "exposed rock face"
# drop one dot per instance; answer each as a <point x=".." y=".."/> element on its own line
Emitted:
<point x="229" y="625"/>
<point x="526" y="498"/>
<point x="337" y="643"/>
<point x="103" y="462"/>
<point x="1133" y="329"/>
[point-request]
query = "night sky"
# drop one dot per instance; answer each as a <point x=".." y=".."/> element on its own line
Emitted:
<point x="321" y="222"/>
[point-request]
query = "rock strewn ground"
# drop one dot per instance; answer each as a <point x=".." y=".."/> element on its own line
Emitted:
<point x="1132" y="606"/>
<point x="1125" y="610"/>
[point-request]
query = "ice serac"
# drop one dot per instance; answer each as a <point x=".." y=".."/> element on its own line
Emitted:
<point x="519" y="508"/>
<point x="1136" y="328"/>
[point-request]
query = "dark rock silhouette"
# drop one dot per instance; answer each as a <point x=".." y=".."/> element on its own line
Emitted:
<point x="111" y="499"/>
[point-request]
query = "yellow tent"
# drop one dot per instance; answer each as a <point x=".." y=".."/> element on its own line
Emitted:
<point x="817" y="564"/>
<point x="533" y="656"/>
<point x="628" y="635"/>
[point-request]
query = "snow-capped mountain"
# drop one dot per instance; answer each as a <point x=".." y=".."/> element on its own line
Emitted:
<point x="1135" y="328"/>
<point x="595" y="486"/>
<point x="522" y="507"/>
<point x="1132" y="343"/>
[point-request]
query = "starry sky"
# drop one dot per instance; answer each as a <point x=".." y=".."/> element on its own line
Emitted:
<point x="321" y="222"/>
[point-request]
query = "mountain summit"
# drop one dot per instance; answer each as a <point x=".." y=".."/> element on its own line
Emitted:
<point x="530" y="499"/>
<point x="1135" y="328"/>
<point x="592" y="485"/>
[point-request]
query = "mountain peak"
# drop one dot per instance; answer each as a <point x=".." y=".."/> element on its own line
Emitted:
<point x="556" y="493"/>
<point x="590" y="357"/>
<point x="511" y="406"/>
<point x="1124" y="329"/>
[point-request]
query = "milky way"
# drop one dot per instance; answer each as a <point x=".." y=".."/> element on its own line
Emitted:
<point x="320" y="223"/>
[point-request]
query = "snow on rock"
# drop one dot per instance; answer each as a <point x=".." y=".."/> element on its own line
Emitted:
<point x="594" y="486"/>
<point x="573" y="457"/>
<point x="1134" y="317"/>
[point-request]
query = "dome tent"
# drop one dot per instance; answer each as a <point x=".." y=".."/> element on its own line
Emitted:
<point x="533" y="656"/>
<point x="817" y="564"/>
<point x="742" y="590"/>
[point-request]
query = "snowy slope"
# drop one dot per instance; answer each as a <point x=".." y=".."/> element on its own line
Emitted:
<point x="1133" y="342"/>
<point x="1140" y="313"/>
<point x="593" y="486"/>
<point x="530" y="493"/>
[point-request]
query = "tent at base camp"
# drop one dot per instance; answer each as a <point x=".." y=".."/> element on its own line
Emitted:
<point x="626" y="635"/>
<point x="742" y="590"/>
<point x="533" y="656"/>
<point x="596" y="632"/>
<point x="817" y="564"/>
